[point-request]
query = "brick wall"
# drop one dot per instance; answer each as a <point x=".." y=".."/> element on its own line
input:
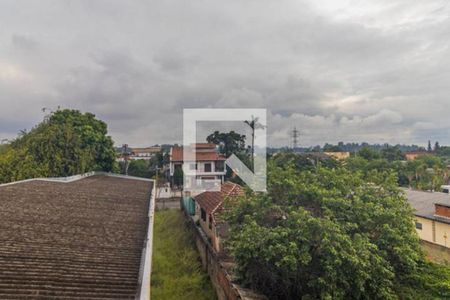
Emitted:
<point x="219" y="269"/>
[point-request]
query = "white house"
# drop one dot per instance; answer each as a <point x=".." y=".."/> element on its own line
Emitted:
<point x="204" y="163"/>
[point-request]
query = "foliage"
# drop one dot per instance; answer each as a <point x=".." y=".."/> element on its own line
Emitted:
<point x="146" y="168"/>
<point x="67" y="142"/>
<point x="303" y="162"/>
<point x="331" y="148"/>
<point x="368" y="153"/>
<point x="329" y="234"/>
<point x="230" y="142"/>
<point x="176" y="270"/>
<point x="392" y="154"/>
<point x="431" y="281"/>
<point x="426" y="172"/>
<point x="178" y="176"/>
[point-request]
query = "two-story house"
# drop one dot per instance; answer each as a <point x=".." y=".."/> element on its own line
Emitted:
<point x="203" y="162"/>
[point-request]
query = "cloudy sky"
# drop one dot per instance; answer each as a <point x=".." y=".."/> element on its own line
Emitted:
<point x="376" y="71"/>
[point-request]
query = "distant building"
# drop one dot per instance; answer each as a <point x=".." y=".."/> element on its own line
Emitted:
<point x="205" y="163"/>
<point x="415" y="154"/>
<point x="209" y="209"/>
<point x="432" y="211"/>
<point x="138" y="153"/>
<point x="144" y="153"/>
<point x="340" y="155"/>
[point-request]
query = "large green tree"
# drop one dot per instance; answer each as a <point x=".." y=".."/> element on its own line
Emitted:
<point x="325" y="234"/>
<point x="67" y="142"/>
<point x="229" y="142"/>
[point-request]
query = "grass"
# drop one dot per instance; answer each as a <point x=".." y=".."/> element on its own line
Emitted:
<point x="176" y="270"/>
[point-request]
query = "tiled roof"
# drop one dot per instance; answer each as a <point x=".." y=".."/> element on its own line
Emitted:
<point x="177" y="155"/>
<point x="77" y="240"/>
<point x="146" y="150"/>
<point x="212" y="202"/>
<point x="423" y="203"/>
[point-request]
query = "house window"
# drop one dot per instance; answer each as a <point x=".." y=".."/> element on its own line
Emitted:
<point x="210" y="222"/>
<point x="203" y="215"/>
<point x="208" y="167"/>
<point x="419" y="225"/>
<point x="219" y="166"/>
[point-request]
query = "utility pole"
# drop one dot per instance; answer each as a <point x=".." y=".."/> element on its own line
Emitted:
<point x="125" y="155"/>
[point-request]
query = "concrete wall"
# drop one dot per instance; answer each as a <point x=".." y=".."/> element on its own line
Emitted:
<point x="434" y="232"/>
<point x="442" y="234"/>
<point x="426" y="233"/>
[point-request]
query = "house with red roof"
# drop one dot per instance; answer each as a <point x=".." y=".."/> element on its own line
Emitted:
<point x="203" y="162"/>
<point x="209" y="208"/>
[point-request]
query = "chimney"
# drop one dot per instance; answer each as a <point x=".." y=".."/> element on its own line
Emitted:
<point x="442" y="210"/>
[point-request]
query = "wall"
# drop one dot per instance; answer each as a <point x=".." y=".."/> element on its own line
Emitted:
<point x="436" y="235"/>
<point x="219" y="269"/>
<point x="442" y="234"/>
<point x="426" y="233"/>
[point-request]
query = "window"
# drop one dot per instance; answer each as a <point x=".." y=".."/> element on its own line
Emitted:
<point x="419" y="225"/>
<point x="203" y="215"/>
<point x="208" y="167"/>
<point x="210" y="222"/>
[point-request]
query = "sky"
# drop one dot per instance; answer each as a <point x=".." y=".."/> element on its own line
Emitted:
<point x="353" y="71"/>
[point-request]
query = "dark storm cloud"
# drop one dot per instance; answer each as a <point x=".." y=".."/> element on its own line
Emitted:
<point x="338" y="70"/>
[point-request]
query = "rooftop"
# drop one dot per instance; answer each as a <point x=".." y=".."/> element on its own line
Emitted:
<point x="424" y="203"/>
<point x="201" y="155"/>
<point x="76" y="240"/>
<point x="212" y="201"/>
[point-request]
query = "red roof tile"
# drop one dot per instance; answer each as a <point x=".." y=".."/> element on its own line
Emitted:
<point x="177" y="155"/>
<point x="212" y="202"/>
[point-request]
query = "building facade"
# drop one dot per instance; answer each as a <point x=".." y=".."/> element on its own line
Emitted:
<point x="203" y="163"/>
<point x="432" y="212"/>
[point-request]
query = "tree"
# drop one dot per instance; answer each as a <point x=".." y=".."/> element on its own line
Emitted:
<point x="429" y="149"/>
<point x="368" y="153"/>
<point x="330" y="234"/>
<point x="436" y="146"/>
<point x="331" y="148"/>
<point x="178" y="176"/>
<point x="67" y="142"/>
<point x="392" y="153"/>
<point x="230" y="143"/>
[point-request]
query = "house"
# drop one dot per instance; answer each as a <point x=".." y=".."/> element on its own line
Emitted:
<point x="146" y="153"/>
<point x="80" y="237"/>
<point x="412" y="155"/>
<point x="208" y="210"/>
<point x="340" y="155"/>
<point x="203" y="162"/>
<point x="432" y="213"/>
